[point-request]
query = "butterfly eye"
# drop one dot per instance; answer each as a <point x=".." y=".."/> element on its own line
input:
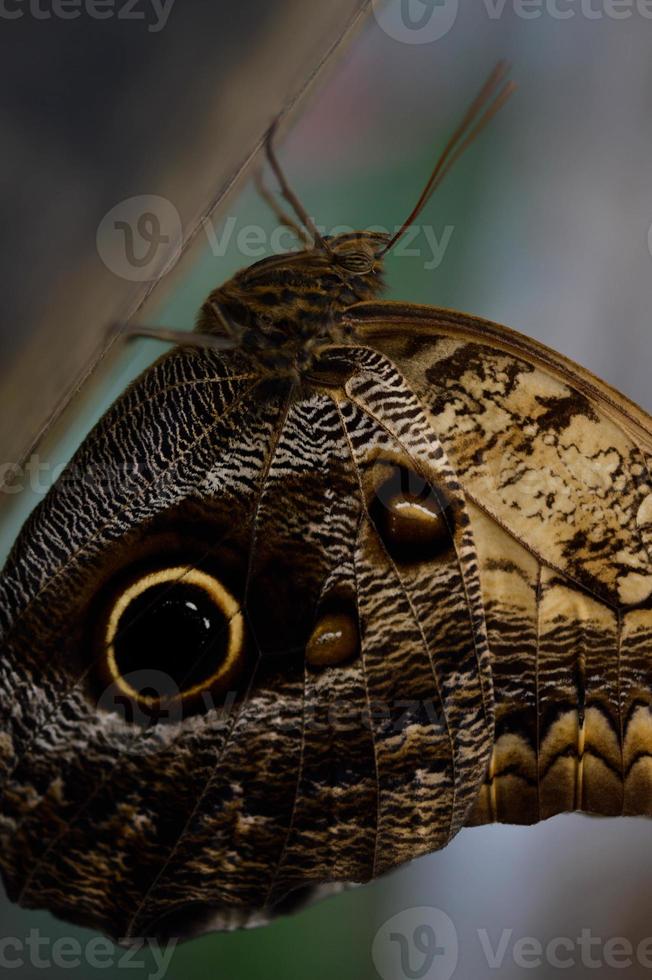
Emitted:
<point x="413" y="518"/>
<point x="359" y="262"/>
<point x="176" y="623"/>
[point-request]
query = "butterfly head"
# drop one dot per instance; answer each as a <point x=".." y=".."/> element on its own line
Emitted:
<point x="285" y="308"/>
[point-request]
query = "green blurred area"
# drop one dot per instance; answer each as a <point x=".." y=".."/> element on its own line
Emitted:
<point x="331" y="940"/>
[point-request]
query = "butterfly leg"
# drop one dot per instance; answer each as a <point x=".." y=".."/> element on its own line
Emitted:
<point x="169" y="335"/>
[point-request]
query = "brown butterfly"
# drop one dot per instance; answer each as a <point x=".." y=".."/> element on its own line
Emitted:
<point x="332" y="579"/>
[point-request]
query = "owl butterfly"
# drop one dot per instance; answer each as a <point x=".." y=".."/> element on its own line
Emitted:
<point x="333" y="579"/>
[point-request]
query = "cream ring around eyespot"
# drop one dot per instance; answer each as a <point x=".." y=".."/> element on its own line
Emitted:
<point x="223" y="600"/>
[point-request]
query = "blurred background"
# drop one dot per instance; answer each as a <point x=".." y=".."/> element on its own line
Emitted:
<point x="544" y="226"/>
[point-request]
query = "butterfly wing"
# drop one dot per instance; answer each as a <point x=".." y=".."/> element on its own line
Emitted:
<point x="555" y="469"/>
<point x="325" y="532"/>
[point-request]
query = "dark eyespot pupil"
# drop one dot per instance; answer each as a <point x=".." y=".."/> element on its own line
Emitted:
<point x="172" y="629"/>
<point x="413" y="518"/>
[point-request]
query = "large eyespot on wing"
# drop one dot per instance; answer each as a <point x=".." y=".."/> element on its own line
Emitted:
<point x="171" y="640"/>
<point x="152" y="450"/>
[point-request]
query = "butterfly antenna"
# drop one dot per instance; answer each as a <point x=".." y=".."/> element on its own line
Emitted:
<point x="288" y="194"/>
<point x="282" y="216"/>
<point x="489" y="100"/>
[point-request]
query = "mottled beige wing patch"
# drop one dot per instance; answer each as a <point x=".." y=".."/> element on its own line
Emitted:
<point x="548" y="451"/>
